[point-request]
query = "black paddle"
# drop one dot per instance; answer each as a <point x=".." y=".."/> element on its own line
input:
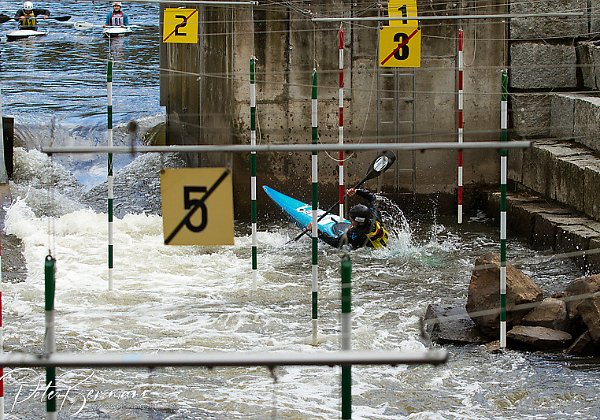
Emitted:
<point x="379" y="166"/>
<point x="5" y="18"/>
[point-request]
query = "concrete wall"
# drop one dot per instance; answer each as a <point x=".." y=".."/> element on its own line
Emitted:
<point x="555" y="102"/>
<point x="207" y="99"/>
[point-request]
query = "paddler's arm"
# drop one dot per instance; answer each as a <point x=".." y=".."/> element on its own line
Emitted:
<point x="366" y="194"/>
<point x="44" y="13"/>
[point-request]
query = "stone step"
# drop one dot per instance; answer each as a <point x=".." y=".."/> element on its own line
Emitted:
<point x="560" y="171"/>
<point x="551" y="226"/>
<point x="562" y="116"/>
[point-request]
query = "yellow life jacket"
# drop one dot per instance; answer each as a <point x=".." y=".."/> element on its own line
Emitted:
<point x="29" y="21"/>
<point x="378" y="236"/>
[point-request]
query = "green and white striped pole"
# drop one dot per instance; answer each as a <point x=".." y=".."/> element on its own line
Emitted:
<point x="3" y="172"/>
<point x="253" y="166"/>
<point x="1" y="335"/>
<point x="2" y="177"/>
<point x="346" y="335"/>
<point x="503" y="179"/>
<point x="315" y="206"/>
<point x="109" y="76"/>
<point x="50" y="344"/>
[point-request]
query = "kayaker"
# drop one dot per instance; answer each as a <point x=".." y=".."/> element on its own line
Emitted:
<point x="116" y="17"/>
<point x="367" y="227"/>
<point x="28" y="15"/>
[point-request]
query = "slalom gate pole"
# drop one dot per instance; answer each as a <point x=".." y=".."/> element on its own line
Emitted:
<point x="346" y="270"/>
<point x="50" y="344"/>
<point x="342" y="191"/>
<point x="253" y="165"/>
<point x="109" y="75"/>
<point x="2" y="171"/>
<point x="315" y="207"/>
<point x="503" y="179"/>
<point x="460" y="123"/>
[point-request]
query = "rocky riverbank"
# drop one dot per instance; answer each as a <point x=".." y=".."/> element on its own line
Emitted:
<point x="568" y="321"/>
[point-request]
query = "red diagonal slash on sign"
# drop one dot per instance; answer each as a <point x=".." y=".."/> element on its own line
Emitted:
<point x="399" y="46"/>
<point x="179" y="25"/>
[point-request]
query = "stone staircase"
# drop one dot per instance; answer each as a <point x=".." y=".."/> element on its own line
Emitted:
<point x="554" y="194"/>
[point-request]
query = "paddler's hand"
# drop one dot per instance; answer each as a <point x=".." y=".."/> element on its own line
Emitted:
<point x="351" y="192"/>
<point x="309" y="227"/>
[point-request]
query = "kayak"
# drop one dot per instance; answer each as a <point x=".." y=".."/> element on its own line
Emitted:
<point x="24" y="34"/>
<point x="113" y="31"/>
<point x="330" y="227"/>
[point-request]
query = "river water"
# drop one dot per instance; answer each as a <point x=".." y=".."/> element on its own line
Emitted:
<point x="207" y="299"/>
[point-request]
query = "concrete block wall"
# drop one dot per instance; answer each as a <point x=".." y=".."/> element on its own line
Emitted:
<point x="555" y="103"/>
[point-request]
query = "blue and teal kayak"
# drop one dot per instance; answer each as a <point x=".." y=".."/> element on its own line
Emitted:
<point x="331" y="227"/>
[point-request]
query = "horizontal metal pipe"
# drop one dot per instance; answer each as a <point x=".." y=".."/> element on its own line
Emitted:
<point x="454" y="17"/>
<point x="201" y="2"/>
<point x="244" y="148"/>
<point x="217" y="359"/>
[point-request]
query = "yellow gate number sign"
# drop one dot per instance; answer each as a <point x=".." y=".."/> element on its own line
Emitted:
<point x="197" y="206"/>
<point x="400" y="42"/>
<point x="399" y="47"/>
<point x="402" y="8"/>
<point x="180" y="26"/>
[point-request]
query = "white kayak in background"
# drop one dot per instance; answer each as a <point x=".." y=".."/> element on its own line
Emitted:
<point x="113" y="31"/>
<point x="24" y="34"/>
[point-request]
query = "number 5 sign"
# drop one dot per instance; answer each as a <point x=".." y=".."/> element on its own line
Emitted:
<point x="399" y="46"/>
<point x="197" y="206"/>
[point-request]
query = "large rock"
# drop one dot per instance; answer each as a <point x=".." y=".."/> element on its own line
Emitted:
<point x="540" y="338"/>
<point x="447" y="324"/>
<point x="590" y="314"/>
<point x="483" y="301"/>
<point x="551" y="313"/>
<point x="579" y="290"/>
<point x="582" y="346"/>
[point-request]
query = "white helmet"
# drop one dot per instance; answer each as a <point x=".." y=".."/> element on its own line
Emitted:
<point x="117" y="3"/>
<point x="28" y="6"/>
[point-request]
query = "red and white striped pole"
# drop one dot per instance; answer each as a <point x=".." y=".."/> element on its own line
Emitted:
<point x="460" y="123"/>
<point x="3" y="173"/>
<point x="341" y="122"/>
<point x="1" y="335"/>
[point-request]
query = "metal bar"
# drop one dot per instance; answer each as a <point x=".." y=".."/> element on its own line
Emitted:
<point x="220" y="359"/>
<point x="202" y="2"/>
<point x="238" y="148"/>
<point x="457" y="17"/>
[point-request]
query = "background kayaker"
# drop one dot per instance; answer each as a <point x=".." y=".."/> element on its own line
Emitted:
<point x="28" y="15"/>
<point x="116" y="17"/>
<point x="367" y="227"/>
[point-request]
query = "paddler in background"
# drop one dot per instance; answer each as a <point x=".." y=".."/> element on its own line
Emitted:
<point x="27" y="16"/>
<point x="367" y="227"/>
<point x="116" y="17"/>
